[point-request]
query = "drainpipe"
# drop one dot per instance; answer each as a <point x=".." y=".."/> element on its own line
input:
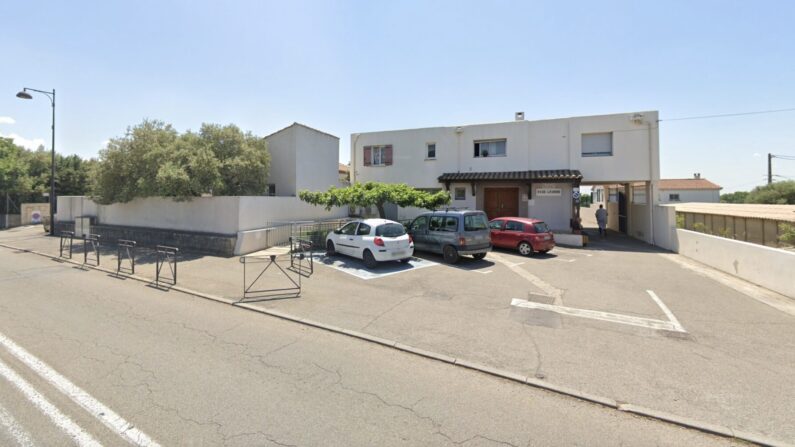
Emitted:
<point x="354" y="140"/>
<point x="651" y="197"/>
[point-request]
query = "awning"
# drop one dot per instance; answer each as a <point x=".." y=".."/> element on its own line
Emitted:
<point x="551" y="176"/>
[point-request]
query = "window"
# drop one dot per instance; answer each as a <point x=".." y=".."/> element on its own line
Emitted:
<point x="271" y="189"/>
<point x="541" y="227"/>
<point x="673" y="197"/>
<point x="613" y="197"/>
<point x="496" y="224"/>
<point x="639" y="195"/>
<point x="349" y="229"/>
<point x="419" y="223"/>
<point x="460" y="193"/>
<point x="490" y="148"/>
<point x="443" y="223"/>
<point x="475" y="222"/>
<point x="390" y="230"/>
<point x="597" y="144"/>
<point x="514" y="226"/>
<point x="378" y="155"/>
<point x="363" y="230"/>
<point x="430" y="152"/>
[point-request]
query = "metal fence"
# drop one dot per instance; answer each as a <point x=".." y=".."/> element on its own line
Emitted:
<point x="125" y="251"/>
<point x="166" y="256"/>
<point x="91" y="249"/>
<point x="66" y="243"/>
<point x="770" y="232"/>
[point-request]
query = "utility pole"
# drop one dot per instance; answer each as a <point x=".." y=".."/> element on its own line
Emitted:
<point x="769" y="168"/>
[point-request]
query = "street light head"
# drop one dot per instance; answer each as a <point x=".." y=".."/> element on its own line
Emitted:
<point x="24" y="95"/>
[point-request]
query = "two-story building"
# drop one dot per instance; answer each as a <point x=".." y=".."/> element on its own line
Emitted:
<point x="522" y="168"/>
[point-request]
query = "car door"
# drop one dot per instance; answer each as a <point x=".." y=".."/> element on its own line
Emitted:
<point x="419" y="232"/>
<point x="512" y="233"/>
<point x="344" y="238"/>
<point x="495" y="227"/>
<point x="436" y="233"/>
<point x="360" y="240"/>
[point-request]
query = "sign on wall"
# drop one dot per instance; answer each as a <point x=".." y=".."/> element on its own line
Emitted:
<point x="35" y="217"/>
<point x="549" y="192"/>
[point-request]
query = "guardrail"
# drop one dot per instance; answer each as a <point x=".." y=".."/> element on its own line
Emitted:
<point x="249" y="288"/>
<point x="125" y="250"/>
<point x="166" y="256"/>
<point x="66" y="236"/>
<point x="91" y="242"/>
<point x="300" y="251"/>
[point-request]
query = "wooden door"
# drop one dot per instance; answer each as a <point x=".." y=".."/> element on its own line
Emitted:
<point x="501" y="202"/>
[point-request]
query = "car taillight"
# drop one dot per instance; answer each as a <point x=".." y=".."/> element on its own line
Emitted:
<point x="378" y="241"/>
<point x="462" y="241"/>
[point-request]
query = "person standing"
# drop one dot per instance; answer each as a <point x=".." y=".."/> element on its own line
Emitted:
<point x="601" y="220"/>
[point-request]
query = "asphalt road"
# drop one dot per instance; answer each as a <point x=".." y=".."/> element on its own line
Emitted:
<point x="81" y="351"/>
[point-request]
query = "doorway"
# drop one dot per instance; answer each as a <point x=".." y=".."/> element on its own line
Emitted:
<point x="501" y="202"/>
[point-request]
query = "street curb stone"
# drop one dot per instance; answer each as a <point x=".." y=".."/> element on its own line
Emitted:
<point x="714" y="429"/>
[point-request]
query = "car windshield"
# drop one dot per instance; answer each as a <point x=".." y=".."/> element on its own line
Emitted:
<point x="390" y="230"/>
<point x="541" y="227"/>
<point x="475" y="222"/>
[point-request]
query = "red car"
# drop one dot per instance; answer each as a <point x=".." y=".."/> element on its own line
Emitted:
<point x="521" y="233"/>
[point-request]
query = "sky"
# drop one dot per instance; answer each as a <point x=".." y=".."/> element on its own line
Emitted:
<point x="355" y="66"/>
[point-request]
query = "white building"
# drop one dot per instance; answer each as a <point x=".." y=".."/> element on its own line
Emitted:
<point x="522" y="168"/>
<point x="302" y="158"/>
<point x="694" y="189"/>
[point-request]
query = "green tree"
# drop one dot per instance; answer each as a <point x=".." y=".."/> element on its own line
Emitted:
<point x="778" y="193"/>
<point x="14" y="178"/>
<point x="376" y="194"/>
<point x="734" y="197"/>
<point x="154" y="160"/>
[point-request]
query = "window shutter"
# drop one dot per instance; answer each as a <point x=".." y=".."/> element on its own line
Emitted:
<point x="368" y="156"/>
<point x="388" y="155"/>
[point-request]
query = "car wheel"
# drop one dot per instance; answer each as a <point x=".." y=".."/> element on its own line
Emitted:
<point x="330" y="251"/>
<point x="525" y="249"/>
<point x="479" y="256"/>
<point x="405" y="261"/>
<point x="369" y="260"/>
<point x="450" y="254"/>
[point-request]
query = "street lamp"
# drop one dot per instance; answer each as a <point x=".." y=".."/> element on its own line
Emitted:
<point x="25" y="95"/>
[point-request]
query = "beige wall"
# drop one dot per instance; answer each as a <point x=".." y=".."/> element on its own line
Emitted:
<point x="27" y="209"/>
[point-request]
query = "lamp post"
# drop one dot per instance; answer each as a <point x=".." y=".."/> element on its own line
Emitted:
<point x="25" y="95"/>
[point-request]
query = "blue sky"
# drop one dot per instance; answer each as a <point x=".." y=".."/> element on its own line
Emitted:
<point x="353" y="66"/>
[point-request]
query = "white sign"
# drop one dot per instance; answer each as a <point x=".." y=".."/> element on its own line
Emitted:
<point x="547" y="192"/>
<point x="35" y="217"/>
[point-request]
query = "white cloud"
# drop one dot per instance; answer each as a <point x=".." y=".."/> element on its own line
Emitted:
<point x="757" y="154"/>
<point x="24" y="142"/>
<point x="7" y="120"/>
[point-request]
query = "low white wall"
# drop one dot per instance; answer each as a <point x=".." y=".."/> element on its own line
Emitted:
<point x="665" y="227"/>
<point x="200" y="214"/>
<point x="765" y="266"/>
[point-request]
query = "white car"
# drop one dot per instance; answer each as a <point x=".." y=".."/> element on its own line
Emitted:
<point x="371" y="240"/>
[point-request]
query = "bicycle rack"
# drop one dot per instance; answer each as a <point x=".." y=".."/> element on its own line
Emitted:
<point x="125" y="250"/>
<point x="301" y="249"/>
<point x="91" y="241"/>
<point x="66" y="235"/>
<point x="166" y="255"/>
<point x="274" y="293"/>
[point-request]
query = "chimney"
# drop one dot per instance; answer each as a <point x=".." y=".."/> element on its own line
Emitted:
<point x="519" y="116"/>
<point x="697" y="175"/>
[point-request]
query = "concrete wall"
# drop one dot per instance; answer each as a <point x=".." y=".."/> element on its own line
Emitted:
<point x="263" y="212"/>
<point x="765" y="266"/>
<point x="303" y="158"/>
<point x="691" y="195"/>
<point x="10" y="220"/>
<point x="27" y="210"/>
<point x="281" y="146"/>
<point x="665" y="228"/>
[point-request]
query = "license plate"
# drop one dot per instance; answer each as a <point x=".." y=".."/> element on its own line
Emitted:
<point x="399" y="253"/>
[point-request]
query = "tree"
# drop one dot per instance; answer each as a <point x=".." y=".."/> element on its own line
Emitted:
<point x="14" y="178"/>
<point x="734" y="197"/>
<point x="153" y="159"/>
<point x="376" y="194"/>
<point x="778" y="193"/>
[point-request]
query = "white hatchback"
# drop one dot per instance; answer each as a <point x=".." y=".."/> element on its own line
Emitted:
<point x="371" y="240"/>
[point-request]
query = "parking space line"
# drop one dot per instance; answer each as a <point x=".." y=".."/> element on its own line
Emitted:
<point x="17" y="432"/>
<point x="484" y="273"/>
<point x="649" y="323"/>
<point x="97" y="409"/>
<point x="547" y="288"/>
<point x="665" y="310"/>
<point x="62" y="421"/>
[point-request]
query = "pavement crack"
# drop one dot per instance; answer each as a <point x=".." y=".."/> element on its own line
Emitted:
<point x="390" y="309"/>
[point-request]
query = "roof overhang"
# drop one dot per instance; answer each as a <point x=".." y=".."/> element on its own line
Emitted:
<point x="545" y="176"/>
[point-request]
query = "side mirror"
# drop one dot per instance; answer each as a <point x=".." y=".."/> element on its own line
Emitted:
<point x="337" y="231"/>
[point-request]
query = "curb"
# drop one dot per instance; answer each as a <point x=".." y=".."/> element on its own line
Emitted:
<point x="662" y="416"/>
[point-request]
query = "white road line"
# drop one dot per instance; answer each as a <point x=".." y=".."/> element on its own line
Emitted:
<point x="547" y="288"/>
<point x="478" y="271"/>
<point x="667" y="311"/>
<point x="563" y="260"/>
<point x="96" y="408"/>
<point x="13" y="428"/>
<point x="80" y="436"/>
<point x="648" y="323"/>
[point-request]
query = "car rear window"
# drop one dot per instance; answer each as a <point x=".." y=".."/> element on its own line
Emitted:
<point x="541" y="227"/>
<point x="390" y="230"/>
<point x="475" y="222"/>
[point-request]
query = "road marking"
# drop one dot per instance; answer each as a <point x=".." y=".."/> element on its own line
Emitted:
<point x="478" y="271"/>
<point x="563" y="260"/>
<point x="80" y="436"/>
<point x="547" y="288"/>
<point x="672" y="324"/>
<point x="96" y="408"/>
<point x="16" y="431"/>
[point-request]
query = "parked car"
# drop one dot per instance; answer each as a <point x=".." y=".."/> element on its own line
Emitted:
<point x="522" y="234"/>
<point x="452" y="233"/>
<point x="371" y="240"/>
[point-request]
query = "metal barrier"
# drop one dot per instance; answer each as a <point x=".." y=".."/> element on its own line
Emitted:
<point x="91" y="241"/>
<point x="166" y="256"/>
<point x="301" y="249"/>
<point x="249" y="290"/>
<point x="125" y="250"/>
<point x="66" y="235"/>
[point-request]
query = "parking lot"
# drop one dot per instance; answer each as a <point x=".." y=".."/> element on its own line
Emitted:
<point x="618" y="318"/>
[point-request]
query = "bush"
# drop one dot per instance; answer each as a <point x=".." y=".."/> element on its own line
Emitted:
<point x="787" y="235"/>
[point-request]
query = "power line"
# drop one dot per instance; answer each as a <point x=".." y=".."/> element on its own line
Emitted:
<point x="725" y="115"/>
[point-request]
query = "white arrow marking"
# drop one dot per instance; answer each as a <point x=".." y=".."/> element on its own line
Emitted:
<point x="650" y="323"/>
